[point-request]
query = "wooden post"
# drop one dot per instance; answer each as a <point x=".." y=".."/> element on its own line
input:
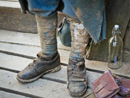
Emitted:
<point x="126" y="56"/>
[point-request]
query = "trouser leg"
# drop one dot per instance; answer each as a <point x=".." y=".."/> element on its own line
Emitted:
<point x="47" y="33"/>
<point x="80" y="38"/>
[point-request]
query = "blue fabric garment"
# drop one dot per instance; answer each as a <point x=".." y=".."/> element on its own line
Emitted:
<point x="90" y="12"/>
<point x="44" y="8"/>
<point x="47" y="8"/>
<point x="68" y="10"/>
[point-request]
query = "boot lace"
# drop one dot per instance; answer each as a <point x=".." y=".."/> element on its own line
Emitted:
<point x="76" y="73"/>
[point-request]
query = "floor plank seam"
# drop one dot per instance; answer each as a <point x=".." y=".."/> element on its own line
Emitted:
<point x="15" y="71"/>
<point x="101" y="72"/>
<point x="30" y="57"/>
<point x="19" y="44"/>
<point x="24" y="56"/>
<point x="87" y="95"/>
<point x="28" y="45"/>
<point x="60" y="81"/>
<point x="64" y="49"/>
<point x="18" y="93"/>
<point x="50" y="79"/>
<point x="64" y="64"/>
<point x="16" y="54"/>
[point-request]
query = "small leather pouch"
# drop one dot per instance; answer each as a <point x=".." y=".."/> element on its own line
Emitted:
<point x="105" y="86"/>
<point x="124" y="85"/>
<point x="64" y="32"/>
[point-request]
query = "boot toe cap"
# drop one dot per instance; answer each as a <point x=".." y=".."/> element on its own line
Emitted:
<point x="26" y="75"/>
<point x="77" y="89"/>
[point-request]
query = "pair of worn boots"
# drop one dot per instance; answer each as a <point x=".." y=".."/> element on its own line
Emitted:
<point x="48" y="59"/>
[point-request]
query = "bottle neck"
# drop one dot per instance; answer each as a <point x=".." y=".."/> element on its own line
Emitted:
<point x="116" y="34"/>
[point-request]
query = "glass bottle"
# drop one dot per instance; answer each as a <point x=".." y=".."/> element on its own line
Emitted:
<point x="115" y="49"/>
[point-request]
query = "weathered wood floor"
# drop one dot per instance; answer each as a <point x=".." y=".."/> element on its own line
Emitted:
<point x="18" y="49"/>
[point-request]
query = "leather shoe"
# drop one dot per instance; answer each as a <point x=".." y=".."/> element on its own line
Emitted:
<point x="41" y="65"/>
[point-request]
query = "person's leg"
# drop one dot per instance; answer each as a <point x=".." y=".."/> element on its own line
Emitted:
<point x="47" y="33"/>
<point x="48" y="59"/>
<point x="76" y="71"/>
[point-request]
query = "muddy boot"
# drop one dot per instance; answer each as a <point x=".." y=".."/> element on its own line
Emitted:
<point x="76" y="71"/>
<point x="48" y="59"/>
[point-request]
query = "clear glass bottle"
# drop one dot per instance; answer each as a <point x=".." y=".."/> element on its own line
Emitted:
<point x="115" y="49"/>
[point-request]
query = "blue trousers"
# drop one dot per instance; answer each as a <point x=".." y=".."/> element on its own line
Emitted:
<point x="46" y="8"/>
<point x="90" y="12"/>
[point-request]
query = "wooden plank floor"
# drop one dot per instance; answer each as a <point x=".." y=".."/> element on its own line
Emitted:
<point x="11" y="3"/>
<point x="18" y="49"/>
<point x="27" y="45"/>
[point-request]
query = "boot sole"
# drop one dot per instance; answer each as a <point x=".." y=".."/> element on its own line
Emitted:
<point x="78" y="95"/>
<point x="48" y="71"/>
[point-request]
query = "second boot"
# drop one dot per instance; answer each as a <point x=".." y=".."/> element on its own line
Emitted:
<point x="76" y="71"/>
<point x="48" y="59"/>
